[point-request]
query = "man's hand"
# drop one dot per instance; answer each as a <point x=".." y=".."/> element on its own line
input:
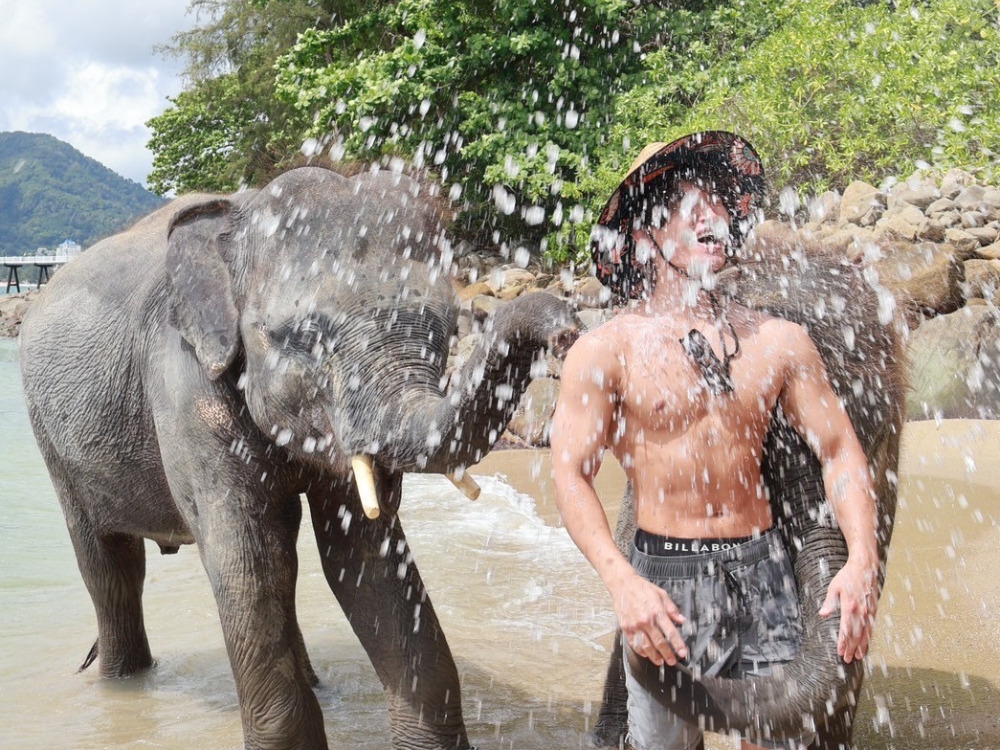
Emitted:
<point x="649" y="620"/>
<point x="854" y="589"/>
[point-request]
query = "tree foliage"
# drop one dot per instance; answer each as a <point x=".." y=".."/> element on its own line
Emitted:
<point x="530" y="111"/>
<point x="867" y="92"/>
<point x="503" y="101"/>
<point x="227" y="129"/>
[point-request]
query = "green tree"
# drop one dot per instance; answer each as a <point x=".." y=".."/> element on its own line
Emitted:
<point x="530" y="111"/>
<point x="503" y="101"/>
<point x="227" y="129"/>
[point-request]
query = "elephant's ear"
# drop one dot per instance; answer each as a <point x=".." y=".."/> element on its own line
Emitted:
<point x="204" y="308"/>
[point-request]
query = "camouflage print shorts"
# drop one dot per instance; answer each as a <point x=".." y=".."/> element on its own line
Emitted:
<point x="740" y="602"/>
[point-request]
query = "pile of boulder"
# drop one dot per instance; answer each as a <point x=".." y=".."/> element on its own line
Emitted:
<point x="934" y="242"/>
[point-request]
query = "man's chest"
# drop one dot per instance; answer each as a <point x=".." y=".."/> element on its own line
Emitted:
<point x="666" y="391"/>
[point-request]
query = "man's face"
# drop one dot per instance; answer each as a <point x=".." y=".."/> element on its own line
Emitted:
<point x="694" y="232"/>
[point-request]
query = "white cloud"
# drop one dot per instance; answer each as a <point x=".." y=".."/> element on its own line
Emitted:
<point x="86" y="72"/>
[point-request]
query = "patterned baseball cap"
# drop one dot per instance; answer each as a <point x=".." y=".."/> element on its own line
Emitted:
<point x="717" y="160"/>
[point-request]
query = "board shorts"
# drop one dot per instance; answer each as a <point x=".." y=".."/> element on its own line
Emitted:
<point x="740" y="601"/>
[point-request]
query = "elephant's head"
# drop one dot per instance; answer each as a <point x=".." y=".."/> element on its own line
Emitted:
<point x="335" y="295"/>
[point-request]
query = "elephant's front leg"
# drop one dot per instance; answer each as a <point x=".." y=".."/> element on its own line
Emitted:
<point x="371" y="571"/>
<point x="248" y="548"/>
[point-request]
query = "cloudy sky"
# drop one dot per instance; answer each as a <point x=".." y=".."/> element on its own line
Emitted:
<point x="85" y="72"/>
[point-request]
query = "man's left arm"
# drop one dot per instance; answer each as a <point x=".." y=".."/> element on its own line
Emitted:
<point x="816" y="412"/>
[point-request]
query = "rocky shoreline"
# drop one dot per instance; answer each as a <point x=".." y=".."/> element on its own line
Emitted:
<point x="12" y="310"/>
<point x="932" y="241"/>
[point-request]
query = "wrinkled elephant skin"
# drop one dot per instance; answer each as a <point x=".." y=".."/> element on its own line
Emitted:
<point x="190" y="379"/>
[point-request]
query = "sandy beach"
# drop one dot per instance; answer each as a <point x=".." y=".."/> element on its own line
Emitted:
<point x="934" y="669"/>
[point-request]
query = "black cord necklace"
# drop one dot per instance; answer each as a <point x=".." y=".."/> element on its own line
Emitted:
<point x="716" y="374"/>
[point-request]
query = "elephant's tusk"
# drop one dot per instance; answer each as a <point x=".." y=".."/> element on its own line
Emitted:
<point x="465" y="483"/>
<point x="365" y="480"/>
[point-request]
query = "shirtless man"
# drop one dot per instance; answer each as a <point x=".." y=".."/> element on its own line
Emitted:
<point x="681" y="388"/>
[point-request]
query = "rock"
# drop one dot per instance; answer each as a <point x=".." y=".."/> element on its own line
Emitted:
<point x="825" y="208"/>
<point x="991" y="201"/>
<point x="849" y="239"/>
<point x="518" y="277"/>
<point x="589" y="292"/>
<point x="961" y="240"/>
<point x="471" y="266"/>
<point x="990" y="252"/>
<point x="511" y="291"/>
<point x="971" y="198"/>
<point x="971" y="219"/>
<point x="474" y="290"/>
<point x="532" y="420"/>
<point x="483" y="305"/>
<point x="862" y="204"/>
<point x="496" y="280"/>
<point x="940" y="206"/>
<point x="592" y="318"/>
<point x="542" y="281"/>
<point x="954" y="181"/>
<point x="926" y="279"/>
<point x="955" y="364"/>
<point x="982" y="279"/>
<point x="986" y="235"/>
<point x="952" y="218"/>
<point x="906" y="223"/>
<point x="913" y="192"/>
<point x="934" y="231"/>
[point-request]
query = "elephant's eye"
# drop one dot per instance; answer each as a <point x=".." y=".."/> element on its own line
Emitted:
<point x="307" y="337"/>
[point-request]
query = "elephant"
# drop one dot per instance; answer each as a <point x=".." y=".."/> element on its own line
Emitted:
<point x="858" y="333"/>
<point x="190" y="379"/>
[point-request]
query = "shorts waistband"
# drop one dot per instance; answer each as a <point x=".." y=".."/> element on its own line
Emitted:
<point x="747" y="552"/>
<point x="657" y="544"/>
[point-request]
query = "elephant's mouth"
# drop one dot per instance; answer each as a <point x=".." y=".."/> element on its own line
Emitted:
<point x="364" y="478"/>
<point x="363" y="468"/>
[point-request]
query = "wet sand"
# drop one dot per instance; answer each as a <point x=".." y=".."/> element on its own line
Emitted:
<point x="934" y="669"/>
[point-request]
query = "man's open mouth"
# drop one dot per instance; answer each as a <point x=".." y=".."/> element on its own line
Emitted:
<point x="709" y="238"/>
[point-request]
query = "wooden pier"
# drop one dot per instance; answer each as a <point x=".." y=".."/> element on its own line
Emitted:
<point x="44" y="263"/>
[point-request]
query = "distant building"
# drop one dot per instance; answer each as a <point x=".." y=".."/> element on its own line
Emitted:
<point x="69" y="248"/>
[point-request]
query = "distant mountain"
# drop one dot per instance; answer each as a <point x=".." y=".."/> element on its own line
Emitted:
<point x="50" y="192"/>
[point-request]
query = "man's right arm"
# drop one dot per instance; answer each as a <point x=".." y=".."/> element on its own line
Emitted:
<point x="581" y="425"/>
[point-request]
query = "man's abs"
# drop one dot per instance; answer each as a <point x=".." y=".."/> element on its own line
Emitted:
<point x="696" y="496"/>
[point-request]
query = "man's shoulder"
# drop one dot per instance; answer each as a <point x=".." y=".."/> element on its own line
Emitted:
<point x="611" y="332"/>
<point x="774" y="326"/>
<point x="603" y="346"/>
<point x="786" y="339"/>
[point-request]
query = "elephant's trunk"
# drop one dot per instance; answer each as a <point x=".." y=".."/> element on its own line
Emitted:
<point x="449" y="432"/>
